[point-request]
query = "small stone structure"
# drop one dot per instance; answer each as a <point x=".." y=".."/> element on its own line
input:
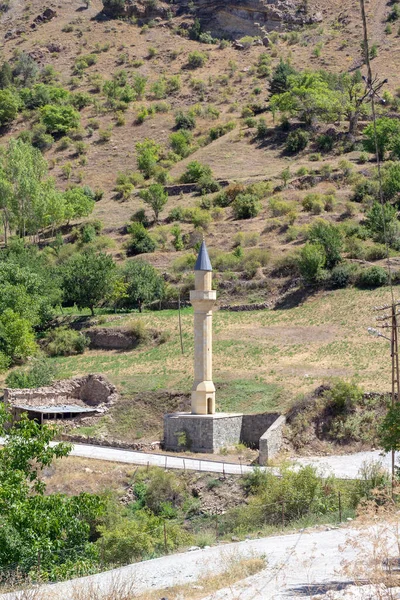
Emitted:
<point x="270" y="442"/>
<point x="89" y="395"/>
<point x="204" y="430"/>
<point x="208" y="433"/>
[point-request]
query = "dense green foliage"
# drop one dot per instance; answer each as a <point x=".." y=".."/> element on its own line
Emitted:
<point x="87" y="279"/>
<point x="143" y="284"/>
<point x="46" y="537"/>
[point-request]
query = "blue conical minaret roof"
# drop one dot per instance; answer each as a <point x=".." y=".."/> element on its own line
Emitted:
<point x="203" y="262"/>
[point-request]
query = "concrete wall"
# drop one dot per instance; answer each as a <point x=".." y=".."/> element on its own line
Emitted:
<point x="271" y="441"/>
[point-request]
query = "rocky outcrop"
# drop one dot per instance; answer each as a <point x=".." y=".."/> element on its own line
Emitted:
<point x="107" y="338"/>
<point x="223" y="18"/>
<point x="88" y="391"/>
<point x="237" y="18"/>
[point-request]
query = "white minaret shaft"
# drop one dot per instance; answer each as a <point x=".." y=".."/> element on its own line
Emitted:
<point x="203" y="299"/>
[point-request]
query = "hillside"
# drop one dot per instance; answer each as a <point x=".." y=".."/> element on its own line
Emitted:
<point x="197" y="82"/>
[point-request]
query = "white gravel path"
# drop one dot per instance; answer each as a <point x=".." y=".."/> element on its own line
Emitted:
<point x="297" y="566"/>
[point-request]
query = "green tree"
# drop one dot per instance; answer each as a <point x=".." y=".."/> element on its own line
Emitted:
<point x="387" y="131"/>
<point x="329" y="237"/>
<point x="156" y="197"/>
<point x="87" y="279"/>
<point x="279" y="83"/>
<point x="77" y="203"/>
<point x="382" y="223"/>
<point x="6" y="76"/>
<point x="391" y="181"/>
<point x="26" y="69"/>
<point x="9" y="106"/>
<point x="24" y="168"/>
<point x="308" y="98"/>
<point x="389" y="431"/>
<point x="17" y="338"/>
<point x="355" y="97"/>
<point x="47" y="536"/>
<point x="143" y="284"/>
<point x="148" y="154"/>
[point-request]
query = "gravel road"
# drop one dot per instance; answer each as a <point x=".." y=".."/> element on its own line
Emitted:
<point x="299" y="565"/>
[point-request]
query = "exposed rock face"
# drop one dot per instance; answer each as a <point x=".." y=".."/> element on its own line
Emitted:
<point x="226" y="18"/>
<point x="237" y="18"/>
<point x="110" y="339"/>
<point x="91" y="390"/>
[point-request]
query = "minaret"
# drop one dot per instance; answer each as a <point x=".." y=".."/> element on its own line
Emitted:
<point x="203" y="299"/>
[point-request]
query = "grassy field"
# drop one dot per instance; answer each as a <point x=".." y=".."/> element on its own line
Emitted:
<point x="262" y="360"/>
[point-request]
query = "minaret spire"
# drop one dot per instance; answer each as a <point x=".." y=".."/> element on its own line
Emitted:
<point x="203" y="299"/>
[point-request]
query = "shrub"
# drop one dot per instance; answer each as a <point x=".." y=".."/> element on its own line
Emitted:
<point x="195" y="171"/>
<point x="196" y="59"/>
<point x="325" y="142"/>
<point x="207" y="185"/>
<point x="60" y="119"/>
<point x="246" y="206"/>
<point x="184" y="120"/>
<point x="342" y="275"/>
<point x="41" y="373"/>
<point x="329" y="237"/>
<point x="220" y="130"/>
<point x="262" y="129"/>
<point x="180" y="142"/>
<point x="140" y="242"/>
<point x="280" y="207"/>
<point x="313" y="203"/>
<point x="65" y="342"/>
<point x="372" y="277"/>
<point x="311" y="262"/>
<point x="297" y="141"/>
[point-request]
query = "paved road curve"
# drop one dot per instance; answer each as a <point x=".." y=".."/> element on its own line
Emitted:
<point x="346" y="466"/>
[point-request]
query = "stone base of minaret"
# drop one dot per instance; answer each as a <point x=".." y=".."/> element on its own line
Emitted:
<point x="202" y="433"/>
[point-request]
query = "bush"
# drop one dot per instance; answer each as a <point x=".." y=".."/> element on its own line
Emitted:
<point x="195" y="171"/>
<point x="313" y="203"/>
<point x="41" y="373"/>
<point x="328" y="236"/>
<point x="262" y="129"/>
<point x="207" y="185"/>
<point x="325" y="142"/>
<point x="342" y="275"/>
<point x="60" y="119"/>
<point x="65" y="342"/>
<point x="197" y="59"/>
<point x="180" y="142"/>
<point x="184" y="121"/>
<point x="372" y="277"/>
<point x="246" y="206"/>
<point x="297" y="141"/>
<point x="140" y="242"/>
<point x="311" y="262"/>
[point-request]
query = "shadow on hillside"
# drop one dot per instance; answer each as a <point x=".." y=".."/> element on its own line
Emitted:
<point x="295" y="298"/>
<point x="313" y="590"/>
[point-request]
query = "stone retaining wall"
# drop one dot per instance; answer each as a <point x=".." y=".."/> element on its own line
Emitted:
<point x="254" y="426"/>
<point x="271" y="441"/>
<point x="245" y="307"/>
<point x="91" y="390"/>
